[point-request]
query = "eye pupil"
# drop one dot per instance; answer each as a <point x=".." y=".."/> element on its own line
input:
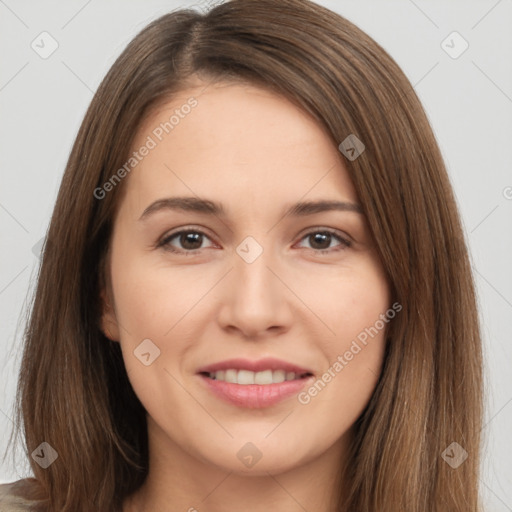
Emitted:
<point x="320" y="238"/>
<point x="190" y="240"/>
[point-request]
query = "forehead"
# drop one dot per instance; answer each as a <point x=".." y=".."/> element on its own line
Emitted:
<point x="235" y="140"/>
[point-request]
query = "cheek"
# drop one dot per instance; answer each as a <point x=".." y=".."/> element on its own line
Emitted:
<point x="150" y="300"/>
<point x="156" y="303"/>
<point x="348" y="301"/>
<point x="354" y="305"/>
<point x="149" y="306"/>
<point x="364" y="301"/>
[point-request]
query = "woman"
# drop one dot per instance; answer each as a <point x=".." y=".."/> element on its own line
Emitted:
<point x="255" y="291"/>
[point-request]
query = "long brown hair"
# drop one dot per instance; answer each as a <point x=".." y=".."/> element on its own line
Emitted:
<point x="73" y="390"/>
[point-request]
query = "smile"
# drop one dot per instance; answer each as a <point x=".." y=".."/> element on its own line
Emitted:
<point x="246" y="377"/>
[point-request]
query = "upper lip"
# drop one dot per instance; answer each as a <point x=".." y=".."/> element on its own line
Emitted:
<point x="268" y="363"/>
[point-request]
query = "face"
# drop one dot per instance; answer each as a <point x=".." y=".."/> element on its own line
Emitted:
<point x="242" y="320"/>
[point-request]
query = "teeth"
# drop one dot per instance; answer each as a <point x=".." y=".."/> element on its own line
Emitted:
<point x="231" y="376"/>
<point x="278" y="376"/>
<point x="264" y="377"/>
<point x="245" y="377"/>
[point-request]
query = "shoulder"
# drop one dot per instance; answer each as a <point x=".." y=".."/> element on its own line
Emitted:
<point x="18" y="496"/>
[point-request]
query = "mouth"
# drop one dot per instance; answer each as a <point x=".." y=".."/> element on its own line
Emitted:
<point x="246" y="377"/>
<point x="254" y="384"/>
<point x="264" y="371"/>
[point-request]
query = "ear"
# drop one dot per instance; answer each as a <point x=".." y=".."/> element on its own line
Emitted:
<point x="108" y="323"/>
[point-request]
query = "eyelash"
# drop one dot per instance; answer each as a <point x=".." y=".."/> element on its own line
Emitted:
<point x="165" y="242"/>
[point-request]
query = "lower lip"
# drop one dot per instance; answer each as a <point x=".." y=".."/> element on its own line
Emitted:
<point x="255" y="396"/>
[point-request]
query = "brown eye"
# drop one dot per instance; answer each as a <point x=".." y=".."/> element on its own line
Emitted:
<point x="188" y="241"/>
<point x="191" y="240"/>
<point x="321" y="241"/>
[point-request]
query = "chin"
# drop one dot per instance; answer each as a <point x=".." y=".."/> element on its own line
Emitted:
<point x="256" y="458"/>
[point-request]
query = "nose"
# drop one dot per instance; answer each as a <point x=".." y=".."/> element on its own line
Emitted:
<point x="256" y="302"/>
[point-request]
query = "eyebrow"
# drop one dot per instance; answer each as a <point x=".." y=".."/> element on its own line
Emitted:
<point x="197" y="205"/>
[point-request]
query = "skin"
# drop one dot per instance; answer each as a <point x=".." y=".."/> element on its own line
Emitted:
<point x="256" y="153"/>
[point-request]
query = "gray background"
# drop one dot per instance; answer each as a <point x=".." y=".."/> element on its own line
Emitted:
<point x="468" y="100"/>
